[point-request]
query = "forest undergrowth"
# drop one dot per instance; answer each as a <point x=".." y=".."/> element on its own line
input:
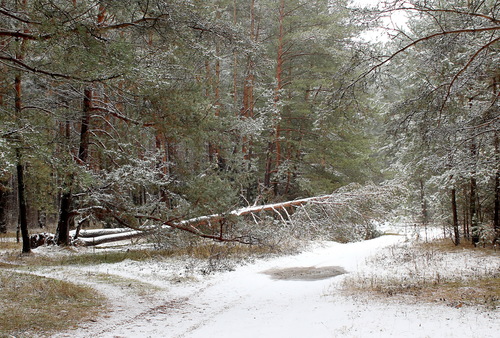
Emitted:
<point x="431" y="272"/>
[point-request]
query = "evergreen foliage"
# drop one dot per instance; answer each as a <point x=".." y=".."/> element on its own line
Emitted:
<point x="139" y="110"/>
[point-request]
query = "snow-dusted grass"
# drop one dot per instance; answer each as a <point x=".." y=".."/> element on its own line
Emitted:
<point x="8" y="242"/>
<point x="434" y="271"/>
<point x="31" y="305"/>
<point x="212" y="255"/>
<point x="225" y="291"/>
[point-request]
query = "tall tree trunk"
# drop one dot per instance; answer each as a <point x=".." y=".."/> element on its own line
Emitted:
<point x="23" y="213"/>
<point x="3" y="179"/>
<point x="64" y="221"/>
<point x="23" y="210"/>
<point x="456" y="231"/>
<point x="83" y="151"/>
<point x="496" y="211"/>
<point x="474" y="221"/>
<point x="162" y="165"/>
<point x="423" y="204"/>
<point x="274" y="147"/>
<point x="279" y="87"/>
<point x="235" y="62"/>
<point x="247" y="110"/>
<point x="466" y="210"/>
<point x="3" y="205"/>
<point x="496" y="216"/>
<point x="65" y="215"/>
<point x="63" y="225"/>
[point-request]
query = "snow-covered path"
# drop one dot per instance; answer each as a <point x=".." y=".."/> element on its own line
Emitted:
<point x="249" y="303"/>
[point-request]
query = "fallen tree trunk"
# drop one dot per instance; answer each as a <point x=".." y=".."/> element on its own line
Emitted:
<point x="193" y="225"/>
<point x="102" y="239"/>
<point x="206" y="220"/>
<point x="99" y="232"/>
<point x="102" y="236"/>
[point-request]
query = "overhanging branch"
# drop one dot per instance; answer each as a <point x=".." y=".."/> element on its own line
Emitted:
<point x="29" y="68"/>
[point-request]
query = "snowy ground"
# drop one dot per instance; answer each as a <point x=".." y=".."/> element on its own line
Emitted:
<point x="169" y="298"/>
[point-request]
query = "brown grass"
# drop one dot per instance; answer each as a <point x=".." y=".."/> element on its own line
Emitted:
<point x="446" y="245"/>
<point x="8" y="242"/>
<point x="33" y="305"/>
<point x="208" y="251"/>
<point x="481" y="288"/>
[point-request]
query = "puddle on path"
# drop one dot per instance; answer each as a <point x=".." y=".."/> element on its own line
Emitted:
<point x="305" y="273"/>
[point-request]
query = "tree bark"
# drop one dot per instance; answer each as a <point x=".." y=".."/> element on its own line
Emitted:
<point x="456" y="230"/>
<point x="273" y="159"/>
<point x="92" y="241"/>
<point x="279" y="87"/>
<point x="423" y="204"/>
<point x="65" y="217"/>
<point x="3" y="207"/>
<point x="62" y="234"/>
<point x="496" y="212"/>
<point x="23" y="210"/>
<point x="83" y="151"/>
<point x="474" y="221"/>
<point x="23" y="213"/>
<point x="247" y="110"/>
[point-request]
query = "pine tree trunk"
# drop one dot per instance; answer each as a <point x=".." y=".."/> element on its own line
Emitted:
<point x="466" y="210"/>
<point x="23" y="210"/>
<point x="162" y="166"/>
<point x="23" y="213"/>
<point x="62" y="234"/>
<point x="65" y="218"/>
<point x="474" y="221"/>
<point x="496" y="216"/>
<point x="269" y="160"/>
<point x="273" y="160"/>
<point x="279" y="87"/>
<point x="474" y="225"/>
<point x="456" y="230"/>
<point x="3" y="180"/>
<point x="3" y="206"/>
<point x="83" y="151"/>
<point x="423" y="204"/>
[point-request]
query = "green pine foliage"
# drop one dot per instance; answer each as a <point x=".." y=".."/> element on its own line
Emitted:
<point x="168" y="137"/>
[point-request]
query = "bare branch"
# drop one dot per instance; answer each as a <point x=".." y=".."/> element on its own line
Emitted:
<point x="442" y="10"/>
<point x="24" y="36"/>
<point x="457" y="75"/>
<point x="53" y="74"/>
<point x="425" y="38"/>
<point x="6" y="12"/>
<point x="132" y="24"/>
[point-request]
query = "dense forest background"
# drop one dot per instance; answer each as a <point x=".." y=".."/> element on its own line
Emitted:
<point x="133" y="113"/>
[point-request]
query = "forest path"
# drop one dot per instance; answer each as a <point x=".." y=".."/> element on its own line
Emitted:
<point x="252" y="302"/>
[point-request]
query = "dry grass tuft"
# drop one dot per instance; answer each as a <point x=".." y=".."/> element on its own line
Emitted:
<point x="33" y="305"/>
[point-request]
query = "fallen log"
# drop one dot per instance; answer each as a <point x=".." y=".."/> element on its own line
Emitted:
<point x="207" y="220"/>
<point x="99" y="232"/>
<point x="102" y="239"/>
<point x="101" y="236"/>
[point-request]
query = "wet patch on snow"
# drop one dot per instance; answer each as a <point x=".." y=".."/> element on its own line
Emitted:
<point x="310" y="273"/>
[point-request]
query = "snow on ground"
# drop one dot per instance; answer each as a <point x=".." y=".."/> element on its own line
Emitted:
<point x="168" y="299"/>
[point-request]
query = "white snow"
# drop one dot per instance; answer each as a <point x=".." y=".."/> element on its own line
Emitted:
<point x="249" y="303"/>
